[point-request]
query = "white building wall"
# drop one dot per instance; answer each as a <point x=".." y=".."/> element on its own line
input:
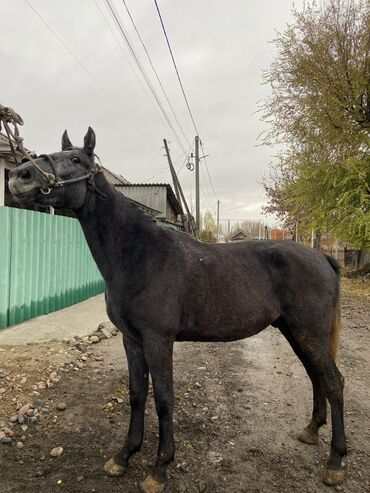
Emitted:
<point x="4" y="164"/>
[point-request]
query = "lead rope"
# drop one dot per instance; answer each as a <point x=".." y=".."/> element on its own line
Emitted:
<point x="9" y="116"/>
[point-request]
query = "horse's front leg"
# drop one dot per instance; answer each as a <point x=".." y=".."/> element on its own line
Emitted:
<point x="158" y="354"/>
<point x="138" y="380"/>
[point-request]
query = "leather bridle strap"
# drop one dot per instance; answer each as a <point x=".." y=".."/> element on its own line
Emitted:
<point x="15" y="137"/>
<point x="52" y="179"/>
<point x="54" y="182"/>
<point x="9" y="116"/>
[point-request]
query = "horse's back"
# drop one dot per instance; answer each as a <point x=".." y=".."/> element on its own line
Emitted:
<point x="236" y="290"/>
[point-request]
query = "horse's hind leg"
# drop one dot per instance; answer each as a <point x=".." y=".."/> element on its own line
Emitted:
<point x="317" y="355"/>
<point x="334" y="384"/>
<point x="310" y="434"/>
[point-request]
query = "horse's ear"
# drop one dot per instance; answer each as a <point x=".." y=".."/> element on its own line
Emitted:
<point x="66" y="143"/>
<point x="89" y="142"/>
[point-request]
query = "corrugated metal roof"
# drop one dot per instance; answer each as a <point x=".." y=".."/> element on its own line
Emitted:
<point x="149" y="185"/>
<point x="114" y="178"/>
<point x="5" y="150"/>
<point x="149" y="210"/>
<point x="151" y="195"/>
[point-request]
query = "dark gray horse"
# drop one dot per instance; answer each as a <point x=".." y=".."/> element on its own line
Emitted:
<point x="163" y="286"/>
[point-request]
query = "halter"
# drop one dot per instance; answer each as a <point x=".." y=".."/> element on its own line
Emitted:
<point x="54" y="181"/>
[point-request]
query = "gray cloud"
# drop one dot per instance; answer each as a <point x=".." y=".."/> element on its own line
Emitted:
<point x="221" y="49"/>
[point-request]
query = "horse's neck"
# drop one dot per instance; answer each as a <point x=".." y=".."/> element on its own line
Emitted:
<point x="117" y="232"/>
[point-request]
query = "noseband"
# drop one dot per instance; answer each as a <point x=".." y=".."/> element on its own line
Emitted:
<point x="53" y="180"/>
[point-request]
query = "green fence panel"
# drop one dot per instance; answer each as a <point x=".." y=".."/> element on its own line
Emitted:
<point x="45" y="265"/>
<point x="5" y="243"/>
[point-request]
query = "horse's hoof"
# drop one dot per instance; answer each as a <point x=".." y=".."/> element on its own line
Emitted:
<point x="151" y="485"/>
<point x="333" y="477"/>
<point x="113" y="469"/>
<point x="308" y="437"/>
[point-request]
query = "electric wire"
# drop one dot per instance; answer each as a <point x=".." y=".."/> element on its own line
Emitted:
<point x="186" y="160"/>
<point x="208" y="173"/>
<point x="129" y="62"/>
<point x="90" y="75"/>
<point x="126" y="38"/>
<point x="183" y="90"/>
<point x="155" y="71"/>
<point x="114" y="103"/>
<point x="175" y="65"/>
<point x="167" y="169"/>
<point x="153" y="68"/>
<point x="156" y="174"/>
<point x="207" y="195"/>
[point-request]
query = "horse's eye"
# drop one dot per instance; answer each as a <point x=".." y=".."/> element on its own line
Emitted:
<point x="76" y="160"/>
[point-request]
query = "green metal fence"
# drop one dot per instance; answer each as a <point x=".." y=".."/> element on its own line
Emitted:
<point x="45" y="265"/>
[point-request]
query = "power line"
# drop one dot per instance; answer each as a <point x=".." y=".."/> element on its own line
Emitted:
<point x="109" y="97"/>
<point x="183" y="92"/>
<point x="186" y="160"/>
<point x="206" y="195"/>
<point x="126" y="38"/>
<point x="176" y="69"/>
<point x="87" y="71"/>
<point x="129" y="62"/>
<point x="155" y="71"/>
<point x="162" y="170"/>
<point x="209" y="176"/>
<point x="156" y="174"/>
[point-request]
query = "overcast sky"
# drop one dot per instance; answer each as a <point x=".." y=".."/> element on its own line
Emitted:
<point x="221" y="49"/>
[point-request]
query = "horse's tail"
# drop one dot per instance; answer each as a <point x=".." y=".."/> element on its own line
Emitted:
<point x="336" y="320"/>
<point x="335" y="330"/>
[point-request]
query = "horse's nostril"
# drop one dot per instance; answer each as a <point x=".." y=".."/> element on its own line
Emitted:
<point x="25" y="174"/>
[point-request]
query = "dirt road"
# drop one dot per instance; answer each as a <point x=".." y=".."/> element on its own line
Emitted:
<point x="239" y="407"/>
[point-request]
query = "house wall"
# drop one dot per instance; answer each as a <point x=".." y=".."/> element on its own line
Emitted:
<point x="170" y="213"/>
<point x="4" y="164"/>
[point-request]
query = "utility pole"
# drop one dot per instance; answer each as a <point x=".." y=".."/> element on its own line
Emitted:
<point x="189" y="223"/>
<point x="218" y="222"/>
<point x="173" y="172"/>
<point x="197" y="196"/>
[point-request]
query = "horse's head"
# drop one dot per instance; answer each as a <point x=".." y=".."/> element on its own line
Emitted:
<point x="60" y="180"/>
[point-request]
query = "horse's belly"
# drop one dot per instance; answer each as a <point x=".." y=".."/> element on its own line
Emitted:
<point x="222" y="332"/>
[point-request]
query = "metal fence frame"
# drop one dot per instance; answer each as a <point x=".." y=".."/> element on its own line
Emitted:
<point x="356" y="259"/>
